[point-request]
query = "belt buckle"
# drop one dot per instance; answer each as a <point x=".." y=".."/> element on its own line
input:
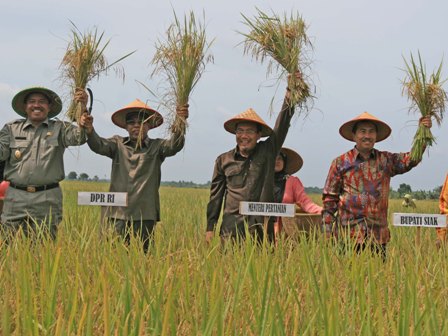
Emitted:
<point x="31" y="189"/>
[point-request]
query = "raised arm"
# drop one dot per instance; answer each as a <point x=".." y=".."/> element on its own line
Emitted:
<point x="284" y="118"/>
<point x="96" y="143"/>
<point x="177" y="139"/>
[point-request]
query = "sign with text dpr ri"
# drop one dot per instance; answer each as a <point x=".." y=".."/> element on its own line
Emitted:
<point x="267" y="209"/>
<point x="413" y="219"/>
<point x="103" y="198"/>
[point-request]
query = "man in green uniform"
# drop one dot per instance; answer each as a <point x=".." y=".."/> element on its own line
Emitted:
<point x="33" y="149"/>
<point x="136" y="167"/>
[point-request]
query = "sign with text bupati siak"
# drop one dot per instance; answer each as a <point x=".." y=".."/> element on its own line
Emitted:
<point x="267" y="209"/>
<point x="413" y="219"/>
<point x="103" y="198"/>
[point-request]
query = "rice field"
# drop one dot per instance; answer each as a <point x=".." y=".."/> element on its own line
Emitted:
<point x="89" y="283"/>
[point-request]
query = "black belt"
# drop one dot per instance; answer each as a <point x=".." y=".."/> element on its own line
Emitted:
<point x="32" y="189"/>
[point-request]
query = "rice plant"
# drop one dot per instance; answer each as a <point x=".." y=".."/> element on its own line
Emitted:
<point x="88" y="282"/>
<point x="427" y="97"/>
<point x="181" y="58"/>
<point x="282" y="41"/>
<point x="84" y="60"/>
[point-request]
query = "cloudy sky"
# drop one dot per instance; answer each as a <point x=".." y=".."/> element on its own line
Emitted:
<point x="357" y="66"/>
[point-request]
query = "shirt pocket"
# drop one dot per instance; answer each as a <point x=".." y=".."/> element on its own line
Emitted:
<point x="50" y="146"/>
<point x="235" y="177"/>
<point x="18" y="149"/>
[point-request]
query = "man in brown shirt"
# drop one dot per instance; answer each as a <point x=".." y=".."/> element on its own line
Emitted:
<point x="33" y="148"/>
<point x="136" y="166"/>
<point x="246" y="173"/>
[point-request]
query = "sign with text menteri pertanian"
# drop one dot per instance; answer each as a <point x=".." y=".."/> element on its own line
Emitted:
<point x="267" y="209"/>
<point x="103" y="198"/>
<point x="414" y="219"/>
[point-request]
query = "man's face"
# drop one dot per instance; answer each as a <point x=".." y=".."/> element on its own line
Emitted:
<point x="247" y="136"/>
<point x="365" y="136"/>
<point x="137" y="128"/>
<point x="37" y="107"/>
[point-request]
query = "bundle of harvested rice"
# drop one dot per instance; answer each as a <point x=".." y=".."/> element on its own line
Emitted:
<point x="427" y="96"/>
<point x="181" y="59"/>
<point x="84" y="60"/>
<point x="284" y="41"/>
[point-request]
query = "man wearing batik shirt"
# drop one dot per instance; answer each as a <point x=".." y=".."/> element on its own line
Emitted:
<point x="356" y="192"/>
<point x="443" y="205"/>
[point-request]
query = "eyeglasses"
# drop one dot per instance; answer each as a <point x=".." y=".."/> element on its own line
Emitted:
<point x="240" y="131"/>
<point x="37" y="102"/>
<point x="134" y="122"/>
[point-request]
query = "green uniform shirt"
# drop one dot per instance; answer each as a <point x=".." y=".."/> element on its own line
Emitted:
<point x="34" y="157"/>
<point x="136" y="171"/>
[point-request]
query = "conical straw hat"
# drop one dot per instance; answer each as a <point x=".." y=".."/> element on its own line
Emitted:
<point x="293" y="161"/>
<point x="18" y="102"/>
<point x="247" y="116"/>
<point x="155" y="119"/>
<point x="383" y="130"/>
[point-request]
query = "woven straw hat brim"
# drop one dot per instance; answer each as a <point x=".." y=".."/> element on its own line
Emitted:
<point x="18" y="102"/>
<point x="119" y="117"/>
<point x="247" y="116"/>
<point x="293" y="161"/>
<point x="383" y="129"/>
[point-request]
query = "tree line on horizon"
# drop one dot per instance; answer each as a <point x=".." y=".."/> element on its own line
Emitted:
<point x="402" y="189"/>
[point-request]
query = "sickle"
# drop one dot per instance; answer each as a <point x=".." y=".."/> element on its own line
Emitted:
<point x="91" y="100"/>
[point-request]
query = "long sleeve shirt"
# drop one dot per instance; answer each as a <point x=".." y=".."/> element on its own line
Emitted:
<point x="237" y="179"/>
<point x="136" y="171"/>
<point x="358" y="190"/>
<point x="295" y="194"/>
<point x="34" y="156"/>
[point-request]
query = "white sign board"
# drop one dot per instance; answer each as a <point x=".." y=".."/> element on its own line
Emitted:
<point x="103" y="198"/>
<point x="267" y="209"/>
<point x="413" y="219"/>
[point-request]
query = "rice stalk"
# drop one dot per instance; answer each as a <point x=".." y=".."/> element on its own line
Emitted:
<point x="428" y="97"/>
<point x="84" y="59"/>
<point x="283" y="42"/>
<point x="181" y="59"/>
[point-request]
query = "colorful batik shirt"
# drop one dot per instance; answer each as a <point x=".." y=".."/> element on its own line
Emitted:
<point x="356" y="193"/>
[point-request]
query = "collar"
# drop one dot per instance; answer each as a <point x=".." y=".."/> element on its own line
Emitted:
<point x="28" y="123"/>
<point x="127" y="141"/>
<point x="358" y="155"/>
<point x="237" y="154"/>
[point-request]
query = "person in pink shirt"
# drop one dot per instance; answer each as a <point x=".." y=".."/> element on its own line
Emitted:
<point x="289" y="189"/>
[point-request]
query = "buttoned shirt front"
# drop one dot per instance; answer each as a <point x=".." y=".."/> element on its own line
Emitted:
<point x="35" y="155"/>
<point x="236" y="178"/>
<point x="357" y="189"/>
<point x="136" y="171"/>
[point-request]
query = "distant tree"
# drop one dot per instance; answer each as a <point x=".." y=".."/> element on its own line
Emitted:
<point x="393" y="193"/>
<point x="95" y="178"/>
<point x="420" y="195"/>
<point x="83" y="177"/>
<point x="72" y="175"/>
<point x="404" y="189"/>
